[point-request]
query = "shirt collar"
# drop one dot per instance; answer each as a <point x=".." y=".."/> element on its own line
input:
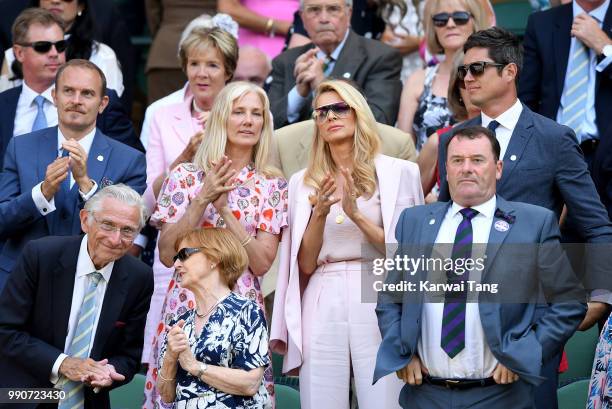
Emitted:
<point x="599" y="13"/>
<point x="86" y="266"/>
<point x="508" y="119"/>
<point x="29" y="94"/>
<point x="337" y="50"/>
<point x="486" y="209"/>
<point x="85" y="142"/>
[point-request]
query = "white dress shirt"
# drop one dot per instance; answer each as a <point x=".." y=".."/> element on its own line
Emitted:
<point x="27" y="110"/>
<point x="475" y="361"/>
<point x="81" y="283"/>
<point x="45" y="207"/>
<point x="507" y="123"/>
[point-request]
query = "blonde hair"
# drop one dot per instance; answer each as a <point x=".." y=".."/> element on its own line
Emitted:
<point x="222" y="248"/>
<point x="474" y="7"/>
<point x="214" y="144"/>
<point x="366" y="142"/>
<point x="203" y="37"/>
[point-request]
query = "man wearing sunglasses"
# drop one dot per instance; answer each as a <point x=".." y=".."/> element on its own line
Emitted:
<point x="568" y="68"/>
<point x="39" y="47"/>
<point x="543" y="165"/>
<point x="337" y="52"/>
<point x="73" y="314"/>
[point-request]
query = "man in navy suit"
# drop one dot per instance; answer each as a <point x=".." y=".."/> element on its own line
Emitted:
<point x="49" y="174"/>
<point x="543" y="164"/>
<point x="72" y="314"/>
<point x="567" y="74"/>
<point x="19" y="106"/>
<point x="458" y="352"/>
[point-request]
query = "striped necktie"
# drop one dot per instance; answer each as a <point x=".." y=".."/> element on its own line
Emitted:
<point x="328" y="65"/>
<point x="453" y="316"/>
<point x="576" y="89"/>
<point x="79" y="347"/>
<point x="40" y="122"/>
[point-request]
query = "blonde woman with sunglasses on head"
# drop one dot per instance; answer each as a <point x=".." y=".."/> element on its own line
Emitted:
<point x="342" y="210"/>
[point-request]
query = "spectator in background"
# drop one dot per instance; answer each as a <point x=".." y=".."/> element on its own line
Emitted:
<point x="49" y="174"/>
<point x="253" y="206"/>
<point x="208" y="56"/>
<point x="167" y="19"/>
<point x="335" y="51"/>
<point x="253" y="66"/>
<point x="30" y="106"/>
<point x="263" y="23"/>
<point x="79" y="29"/>
<point x="423" y="105"/>
<point x="600" y="388"/>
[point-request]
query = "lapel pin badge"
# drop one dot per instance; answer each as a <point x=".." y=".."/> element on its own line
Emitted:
<point x="513" y="158"/>
<point x="501" y="226"/>
<point x="100" y="158"/>
<point x="346" y="75"/>
<point x="432" y="221"/>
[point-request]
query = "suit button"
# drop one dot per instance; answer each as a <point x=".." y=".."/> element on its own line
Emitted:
<point x="44" y="209"/>
<point x="64" y="215"/>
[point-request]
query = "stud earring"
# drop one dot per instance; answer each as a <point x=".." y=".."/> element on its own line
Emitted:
<point x="79" y="13"/>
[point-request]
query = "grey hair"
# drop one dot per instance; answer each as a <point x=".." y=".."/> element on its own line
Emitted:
<point x="124" y="194"/>
<point x="347" y="2"/>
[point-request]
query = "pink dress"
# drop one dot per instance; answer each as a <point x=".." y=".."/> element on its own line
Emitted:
<point x="276" y="9"/>
<point x="259" y="203"/>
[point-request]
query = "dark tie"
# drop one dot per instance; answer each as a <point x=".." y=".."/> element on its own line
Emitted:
<point x="328" y="65"/>
<point x="493" y="126"/>
<point x="453" y="316"/>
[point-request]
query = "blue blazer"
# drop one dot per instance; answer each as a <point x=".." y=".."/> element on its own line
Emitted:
<point x="548" y="170"/>
<point x="113" y="122"/>
<point x="25" y="165"/>
<point x="519" y="338"/>
<point x="547" y="45"/>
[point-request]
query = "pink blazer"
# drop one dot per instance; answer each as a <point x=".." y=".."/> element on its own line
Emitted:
<point x="399" y="184"/>
<point x="171" y="129"/>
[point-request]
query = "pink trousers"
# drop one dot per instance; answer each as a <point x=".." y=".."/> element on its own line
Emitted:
<point x="339" y="333"/>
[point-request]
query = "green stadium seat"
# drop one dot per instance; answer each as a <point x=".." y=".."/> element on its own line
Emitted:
<point x="574" y="395"/>
<point x="129" y="396"/>
<point x="580" y="350"/>
<point x="286" y="397"/>
<point x="512" y="15"/>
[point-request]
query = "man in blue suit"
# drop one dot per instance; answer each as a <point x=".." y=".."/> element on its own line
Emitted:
<point x="49" y="174"/>
<point x="29" y="106"/>
<point x="455" y="353"/>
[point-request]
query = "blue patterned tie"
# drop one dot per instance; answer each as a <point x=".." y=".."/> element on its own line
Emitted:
<point x="453" y="316"/>
<point x="40" y="122"/>
<point x="576" y="89"/>
<point x="493" y="126"/>
<point x="79" y="347"/>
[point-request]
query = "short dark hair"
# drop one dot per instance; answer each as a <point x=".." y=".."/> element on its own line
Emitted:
<point x="503" y="46"/>
<point x="475" y="132"/>
<point x="88" y="65"/>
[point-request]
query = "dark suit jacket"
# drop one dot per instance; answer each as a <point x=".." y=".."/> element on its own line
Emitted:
<point x="519" y="337"/>
<point x="549" y="171"/>
<point x="602" y="171"/>
<point x="374" y="66"/>
<point x="35" y="308"/>
<point x="113" y="122"/>
<point x="547" y="45"/>
<point x="25" y="165"/>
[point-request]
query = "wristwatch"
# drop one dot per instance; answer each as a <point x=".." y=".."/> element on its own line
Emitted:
<point x="203" y="367"/>
<point x="607" y="50"/>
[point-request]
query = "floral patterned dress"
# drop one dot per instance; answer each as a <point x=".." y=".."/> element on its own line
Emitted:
<point x="600" y="388"/>
<point x="235" y="336"/>
<point x="432" y="112"/>
<point x="259" y="203"/>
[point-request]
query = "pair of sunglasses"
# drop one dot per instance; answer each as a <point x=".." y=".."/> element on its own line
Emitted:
<point x="339" y="109"/>
<point x="476" y="69"/>
<point x="186" y="252"/>
<point x="460" y="18"/>
<point x="43" y="47"/>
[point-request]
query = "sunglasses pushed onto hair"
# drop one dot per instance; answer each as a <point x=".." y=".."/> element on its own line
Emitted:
<point x="460" y="18"/>
<point x="186" y="252"/>
<point x="476" y="69"/>
<point x="339" y="109"/>
<point x="43" y="47"/>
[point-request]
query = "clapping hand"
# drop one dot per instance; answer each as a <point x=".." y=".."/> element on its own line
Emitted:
<point x="349" y="194"/>
<point x="216" y="181"/>
<point x="323" y="199"/>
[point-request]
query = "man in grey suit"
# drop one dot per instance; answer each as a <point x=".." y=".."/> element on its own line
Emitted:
<point x="335" y="51"/>
<point x="456" y="353"/>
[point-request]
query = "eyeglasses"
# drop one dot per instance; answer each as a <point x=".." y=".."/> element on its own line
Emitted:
<point x="476" y="69"/>
<point x="186" y="252"/>
<point x="126" y="233"/>
<point x="43" y="47"/>
<point x="333" y="10"/>
<point x="460" y="18"/>
<point x="339" y="109"/>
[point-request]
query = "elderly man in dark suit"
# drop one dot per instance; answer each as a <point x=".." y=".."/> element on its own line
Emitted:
<point x="73" y="312"/>
<point x="335" y="51"/>
<point x="470" y="348"/>
<point x="567" y="73"/>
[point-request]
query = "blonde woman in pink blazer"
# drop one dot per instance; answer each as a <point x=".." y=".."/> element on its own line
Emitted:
<point x="344" y="205"/>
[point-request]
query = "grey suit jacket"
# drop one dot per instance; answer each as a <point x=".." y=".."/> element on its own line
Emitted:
<point x="372" y="65"/>
<point x="522" y="336"/>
